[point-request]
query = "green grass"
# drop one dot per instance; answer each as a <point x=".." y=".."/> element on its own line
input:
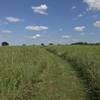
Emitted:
<point x="86" y="61"/>
<point x="33" y="73"/>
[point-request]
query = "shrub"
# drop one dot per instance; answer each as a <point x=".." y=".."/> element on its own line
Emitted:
<point x="5" y="44"/>
<point x="42" y="44"/>
<point x="50" y="43"/>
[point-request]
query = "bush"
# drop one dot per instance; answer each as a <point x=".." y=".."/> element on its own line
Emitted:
<point x="51" y="44"/>
<point x="80" y="43"/>
<point x="5" y="44"/>
<point x="23" y="44"/>
<point x="42" y="44"/>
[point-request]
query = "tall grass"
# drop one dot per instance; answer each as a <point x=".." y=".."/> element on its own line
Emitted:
<point x="32" y="73"/>
<point x="86" y="60"/>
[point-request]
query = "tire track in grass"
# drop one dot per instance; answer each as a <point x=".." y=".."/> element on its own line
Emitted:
<point x="90" y="93"/>
<point x="66" y="75"/>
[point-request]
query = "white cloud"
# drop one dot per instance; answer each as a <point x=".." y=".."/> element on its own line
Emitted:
<point x="36" y="28"/>
<point x="42" y="9"/>
<point x="33" y="37"/>
<point x="66" y="36"/>
<point x="61" y="29"/>
<point x="93" y="4"/>
<point x="5" y="31"/>
<point x="79" y="28"/>
<point x="97" y="24"/>
<point x="12" y="19"/>
<point x="80" y="15"/>
<point x="73" y="7"/>
<point x="37" y="35"/>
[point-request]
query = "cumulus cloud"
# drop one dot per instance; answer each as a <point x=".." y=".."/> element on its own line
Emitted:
<point x="66" y="36"/>
<point x="36" y="28"/>
<point x="12" y="19"/>
<point x="61" y="29"/>
<point x="93" y="4"/>
<point x="79" y="28"/>
<point x="73" y="7"/>
<point x="42" y="9"/>
<point x="80" y="15"/>
<point x="33" y="37"/>
<point x="5" y="31"/>
<point x="97" y="24"/>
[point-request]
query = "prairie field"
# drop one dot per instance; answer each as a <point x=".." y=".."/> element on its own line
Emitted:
<point x="50" y="72"/>
<point x="50" y="50"/>
<point x="86" y="61"/>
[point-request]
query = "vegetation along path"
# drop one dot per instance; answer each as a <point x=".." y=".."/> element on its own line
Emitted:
<point x="33" y="73"/>
<point x="82" y="60"/>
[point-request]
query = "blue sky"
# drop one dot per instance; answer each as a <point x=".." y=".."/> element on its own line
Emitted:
<point x="45" y="21"/>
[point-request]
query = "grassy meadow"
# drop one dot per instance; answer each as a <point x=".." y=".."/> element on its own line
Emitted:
<point x="50" y="73"/>
<point x="86" y="61"/>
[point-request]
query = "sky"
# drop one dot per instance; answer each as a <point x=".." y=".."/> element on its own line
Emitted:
<point x="46" y="21"/>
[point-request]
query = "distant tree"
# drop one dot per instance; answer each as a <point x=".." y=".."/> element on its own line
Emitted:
<point x="42" y="44"/>
<point x="23" y="44"/>
<point x="50" y="43"/>
<point x="97" y="43"/>
<point x="85" y="43"/>
<point x="5" y="44"/>
<point x="80" y="43"/>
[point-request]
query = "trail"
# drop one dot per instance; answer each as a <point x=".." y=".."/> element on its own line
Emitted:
<point x="90" y="93"/>
<point x="60" y="80"/>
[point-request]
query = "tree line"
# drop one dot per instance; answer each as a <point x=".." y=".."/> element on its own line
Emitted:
<point x="42" y="44"/>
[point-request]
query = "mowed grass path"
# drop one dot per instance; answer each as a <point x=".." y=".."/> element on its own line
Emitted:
<point x="32" y="73"/>
<point x="85" y="59"/>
